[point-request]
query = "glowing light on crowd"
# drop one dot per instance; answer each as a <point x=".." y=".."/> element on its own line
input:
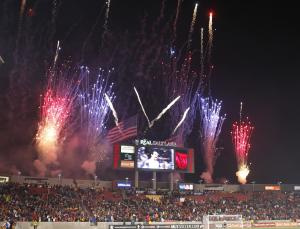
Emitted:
<point x="182" y="120"/>
<point x="211" y="125"/>
<point x="95" y="107"/>
<point x="241" y="135"/>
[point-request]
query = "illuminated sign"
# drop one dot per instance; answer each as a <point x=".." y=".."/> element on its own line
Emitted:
<point x="272" y="188"/>
<point x="146" y="142"/>
<point x="123" y="184"/>
<point x="184" y="186"/>
<point x="297" y="188"/>
<point x="4" y="179"/>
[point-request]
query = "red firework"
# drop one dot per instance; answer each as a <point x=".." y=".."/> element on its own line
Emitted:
<point x="241" y="134"/>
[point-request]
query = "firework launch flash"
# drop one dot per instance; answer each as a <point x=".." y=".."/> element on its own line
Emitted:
<point x="242" y="173"/>
<point x="181" y="121"/>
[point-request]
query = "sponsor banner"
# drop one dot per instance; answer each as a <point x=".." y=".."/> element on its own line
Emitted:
<point x="286" y="224"/>
<point x="157" y="226"/>
<point x="198" y="193"/>
<point x="264" y="224"/>
<point x="272" y="188"/>
<point x="123" y="184"/>
<point x="214" y="188"/>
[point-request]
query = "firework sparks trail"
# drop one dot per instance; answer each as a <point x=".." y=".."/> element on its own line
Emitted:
<point x="192" y="25"/>
<point x="107" y="14"/>
<point x="1" y="60"/>
<point x="241" y="134"/>
<point x="181" y="121"/>
<point x="164" y="111"/>
<point x="201" y="53"/>
<point x="112" y="109"/>
<point x="105" y="26"/>
<point x="56" y="54"/>
<point x="211" y="125"/>
<point x="176" y="19"/>
<point x="95" y="108"/>
<point x="56" y="110"/>
<point x="20" y="23"/>
<point x="140" y="102"/>
<point x="210" y="37"/>
<point x="23" y="4"/>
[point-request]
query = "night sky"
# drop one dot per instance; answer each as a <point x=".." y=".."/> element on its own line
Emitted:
<point x="255" y="57"/>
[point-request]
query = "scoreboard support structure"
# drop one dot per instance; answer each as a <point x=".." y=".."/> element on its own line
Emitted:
<point x="136" y="178"/>
<point x="154" y="180"/>
<point x="171" y="181"/>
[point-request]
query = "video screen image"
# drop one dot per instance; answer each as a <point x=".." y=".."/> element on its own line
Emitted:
<point x="181" y="160"/>
<point x="158" y="158"/>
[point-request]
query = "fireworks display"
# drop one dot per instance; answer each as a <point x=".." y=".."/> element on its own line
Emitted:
<point x="241" y="134"/>
<point x="56" y="110"/>
<point x="211" y="125"/>
<point x="168" y="67"/>
<point x="94" y="107"/>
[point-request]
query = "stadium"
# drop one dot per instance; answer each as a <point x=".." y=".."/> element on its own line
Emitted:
<point x="42" y="202"/>
<point x="158" y="114"/>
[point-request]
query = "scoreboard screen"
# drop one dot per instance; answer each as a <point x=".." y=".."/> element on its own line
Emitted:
<point x="124" y="156"/>
<point x="153" y="158"/>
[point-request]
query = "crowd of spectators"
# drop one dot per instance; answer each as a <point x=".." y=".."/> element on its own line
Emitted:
<point x="71" y="204"/>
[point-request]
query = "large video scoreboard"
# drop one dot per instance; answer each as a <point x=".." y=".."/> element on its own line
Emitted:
<point x="153" y="158"/>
